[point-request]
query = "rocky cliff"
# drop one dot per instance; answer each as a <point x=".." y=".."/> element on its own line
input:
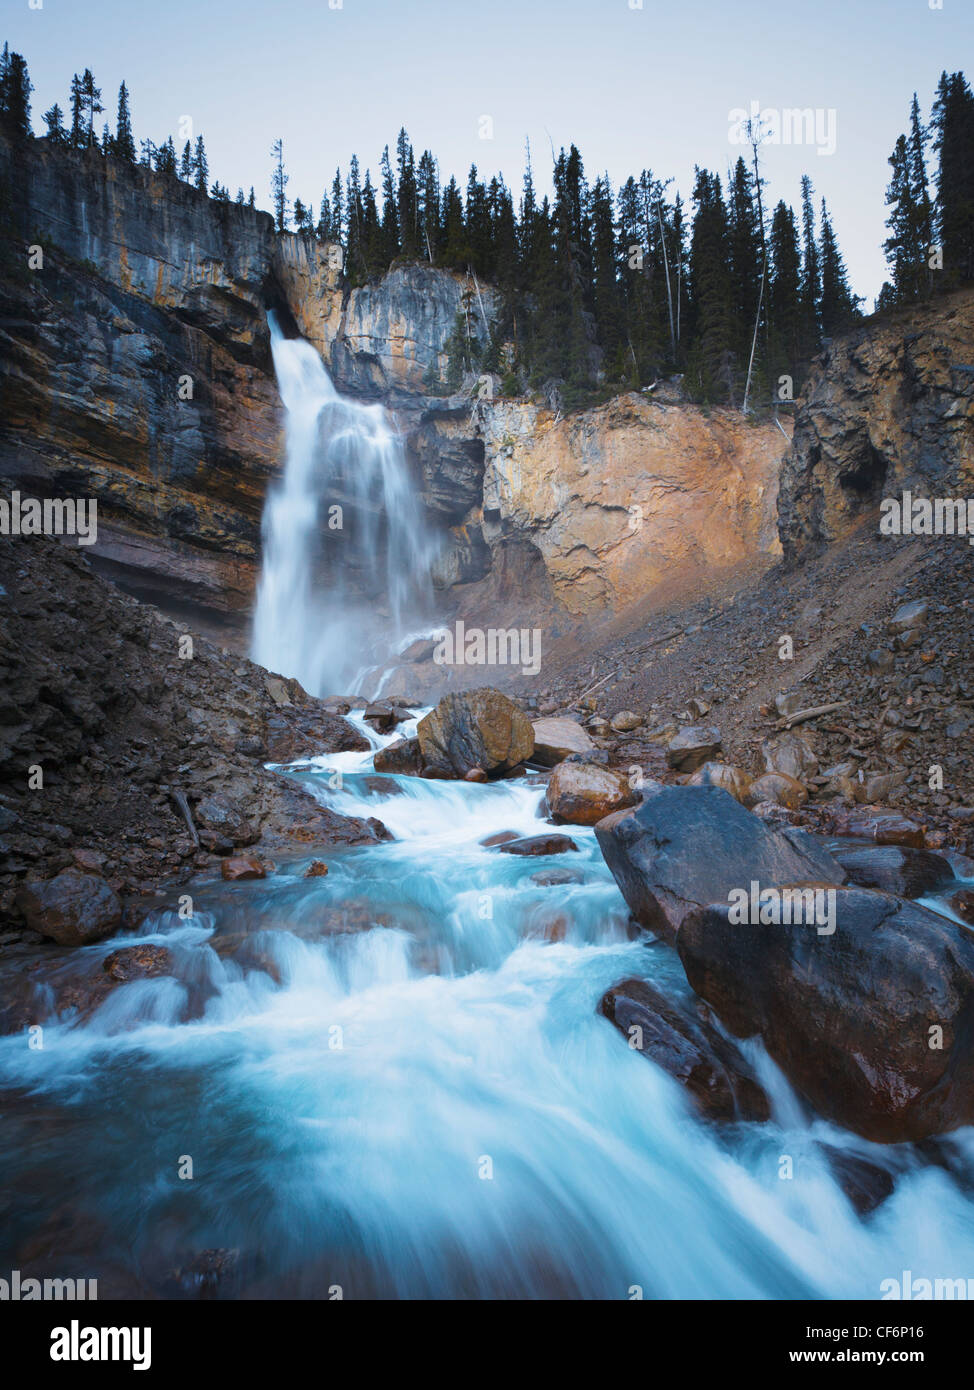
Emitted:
<point x="887" y="407"/>
<point x="135" y="368"/>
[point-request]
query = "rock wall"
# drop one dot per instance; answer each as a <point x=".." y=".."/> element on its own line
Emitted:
<point x="887" y="406"/>
<point x="634" y="499"/>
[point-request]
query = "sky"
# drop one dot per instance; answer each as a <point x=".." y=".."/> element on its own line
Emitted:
<point x="634" y="83"/>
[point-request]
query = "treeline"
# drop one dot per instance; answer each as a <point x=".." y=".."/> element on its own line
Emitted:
<point x="931" y="222"/>
<point x="603" y="289"/>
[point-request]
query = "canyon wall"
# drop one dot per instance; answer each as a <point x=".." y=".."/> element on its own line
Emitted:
<point x="135" y="368"/>
<point x="887" y="406"/>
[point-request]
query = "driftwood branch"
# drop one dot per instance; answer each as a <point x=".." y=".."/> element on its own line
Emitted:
<point x="800" y="715"/>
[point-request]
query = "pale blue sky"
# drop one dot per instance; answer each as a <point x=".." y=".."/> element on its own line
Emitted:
<point x="633" y="87"/>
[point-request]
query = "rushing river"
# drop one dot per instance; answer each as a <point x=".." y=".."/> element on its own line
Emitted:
<point x="401" y="1087"/>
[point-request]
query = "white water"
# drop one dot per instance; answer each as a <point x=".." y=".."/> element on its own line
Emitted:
<point x="346" y="549"/>
<point x="470" y="1045"/>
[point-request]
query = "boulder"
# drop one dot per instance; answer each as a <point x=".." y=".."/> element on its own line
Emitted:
<point x="687" y="1047"/>
<point x="625" y="721"/>
<point x="72" y="908"/>
<point x="910" y="873"/>
<point x="475" y="728"/>
<point x="732" y="779"/>
<point x="138" y="963"/>
<point x="882" y="827"/>
<point x="687" y="846"/>
<point x="557" y="878"/>
<point x="963" y="904"/>
<point x="499" y="837"/>
<point x="538" y="844"/>
<point x="381" y="716"/>
<point x="871" y="1024"/>
<point x="583" y="793"/>
<point x="779" y="789"/>
<point x="402" y="758"/>
<point x="910" y="616"/>
<point x="556" y="739"/>
<point x="692" y="747"/>
<point x="789" y="754"/>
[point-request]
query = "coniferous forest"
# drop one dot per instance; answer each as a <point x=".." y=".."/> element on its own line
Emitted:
<point x="602" y="289"/>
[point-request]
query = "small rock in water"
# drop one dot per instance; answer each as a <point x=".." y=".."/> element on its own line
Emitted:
<point x="963" y="904"/>
<point x="500" y="837"/>
<point x="242" y="868"/>
<point x="316" y="869"/>
<point x="539" y="844"/>
<point x="475" y="774"/>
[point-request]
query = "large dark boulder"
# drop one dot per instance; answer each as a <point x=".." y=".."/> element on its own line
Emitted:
<point x="683" y="847"/>
<point x="401" y="758"/>
<point x="910" y="873"/>
<point x="872" y="1023"/>
<point x="72" y="908"/>
<point x="475" y="728"/>
<point x="688" y="1048"/>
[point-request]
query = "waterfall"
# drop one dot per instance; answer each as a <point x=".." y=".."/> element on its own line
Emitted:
<point x="346" y="547"/>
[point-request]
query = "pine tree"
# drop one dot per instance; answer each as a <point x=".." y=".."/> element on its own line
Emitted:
<point x="124" y="145"/>
<point x="746" y="257"/>
<point x="811" y="287"/>
<point x="953" y="125"/>
<point x="201" y="169"/>
<point x="390" y="216"/>
<point x="609" y="314"/>
<point x="15" y="90"/>
<point x="714" y="373"/>
<point x="165" y="158"/>
<point x="77" y="113"/>
<point x="428" y="206"/>
<point x="840" y="308"/>
<point x="406" y="197"/>
<point x="56" y="132"/>
<point x="336" y="230"/>
<point x="186" y="163"/>
<point x="784" y="295"/>
<point x="91" y="106"/>
<point x="279" y="182"/>
<point x="323" y="229"/>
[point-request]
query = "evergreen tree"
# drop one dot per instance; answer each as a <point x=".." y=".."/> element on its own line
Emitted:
<point x="953" y="126"/>
<point x="323" y="229"/>
<point x="609" y="311"/>
<point x="840" y="308"/>
<point x="124" y="145"/>
<point x="746" y="257"/>
<point x="91" y="107"/>
<point x="77" y="113"/>
<point x="811" y="289"/>
<point x="279" y="183"/>
<point x="454" y="254"/>
<point x="390" y="217"/>
<point x="407" y="201"/>
<point x="784" y="295"/>
<point x="201" y="169"/>
<point x="712" y="367"/>
<point x="15" y="90"/>
<point x="165" y="158"/>
<point x="186" y="163"/>
<point x="336" y="230"/>
<point x="428" y="206"/>
<point x="56" y="131"/>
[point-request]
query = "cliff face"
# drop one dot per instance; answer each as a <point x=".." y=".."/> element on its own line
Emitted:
<point x="635" y="499"/>
<point x="887" y="407"/>
<point x="135" y="368"/>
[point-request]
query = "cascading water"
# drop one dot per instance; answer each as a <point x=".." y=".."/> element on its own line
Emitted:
<point x="394" y="1080"/>
<point x="347" y="551"/>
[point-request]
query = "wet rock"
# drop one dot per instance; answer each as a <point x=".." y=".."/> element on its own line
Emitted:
<point x="865" y="1184"/>
<point x="872" y="1024"/>
<point x="539" y="844"/>
<point x="380" y="716"/>
<point x="420" y="650"/>
<point x="72" y="908"/>
<point x="692" y="747"/>
<point x="687" y="846"/>
<point x="307" y="732"/>
<point x="883" y="827"/>
<point x="475" y="728"/>
<point x="500" y="837"/>
<point x="582" y="793"/>
<point x="138" y="963"/>
<point x="688" y="1048"/>
<point x="779" y="789"/>
<point x="316" y="869"/>
<point x="909" y="873"/>
<point x="963" y="904"/>
<point x="731" y="779"/>
<point x="242" y="868"/>
<point x="557" y="878"/>
<point x="475" y="774"/>
<point x="557" y="739"/>
<point x="402" y="759"/>
<point x="225" y="818"/>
